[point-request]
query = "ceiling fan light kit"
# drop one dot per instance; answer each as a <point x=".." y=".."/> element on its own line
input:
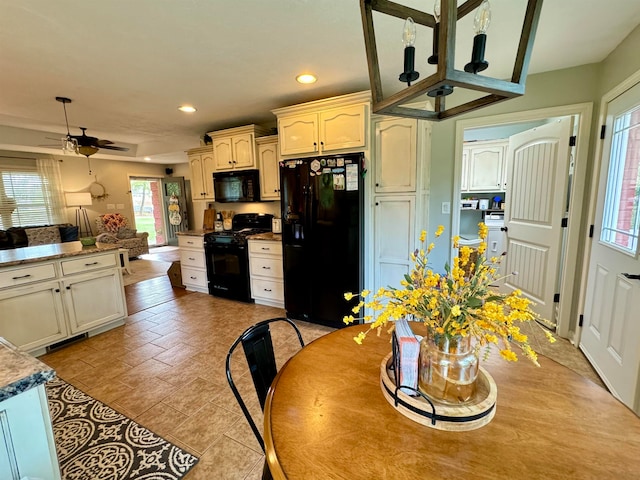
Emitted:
<point x="439" y="85"/>
<point x="83" y="144"/>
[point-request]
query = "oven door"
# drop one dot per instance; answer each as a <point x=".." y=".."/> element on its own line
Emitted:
<point x="228" y="271"/>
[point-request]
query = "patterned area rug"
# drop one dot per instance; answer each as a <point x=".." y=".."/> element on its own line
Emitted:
<point x="94" y="442"/>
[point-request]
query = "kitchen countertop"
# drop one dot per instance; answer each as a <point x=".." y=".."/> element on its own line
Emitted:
<point x="194" y="233"/>
<point x="276" y="237"/>
<point x="19" y="256"/>
<point x="19" y="371"/>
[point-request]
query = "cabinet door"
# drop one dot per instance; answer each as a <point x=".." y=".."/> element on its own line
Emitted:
<point x="464" y="181"/>
<point x="32" y="316"/>
<point x="243" y="151"/>
<point x="26" y="437"/>
<point x="208" y="168"/>
<point x="269" y="171"/>
<point x="298" y="134"/>
<point x="485" y="168"/>
<point x="94" y="300"/>
<point x="223" y="153"/>
<point x="343" y="128"/>
<point x="394" y="237"/>
<point x="197" y="184"/>
<point x="395" y="155"/>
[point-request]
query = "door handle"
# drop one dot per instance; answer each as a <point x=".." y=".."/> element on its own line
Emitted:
<point x="632" y="276"/>
<point x="504" y="229"/>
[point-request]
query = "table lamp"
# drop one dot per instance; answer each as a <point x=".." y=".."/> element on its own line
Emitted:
<point x="80" y="199"/>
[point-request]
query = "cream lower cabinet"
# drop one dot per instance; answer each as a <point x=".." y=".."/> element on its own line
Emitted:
<point x="193" y="264"/>
<point x="27" y="448"/>
<point x="85" y="295"/>
<point x="394" y="224"/>
<point x="265" y="267"/>
<point x="33" y="315"/>
<point x="92" y="300"/>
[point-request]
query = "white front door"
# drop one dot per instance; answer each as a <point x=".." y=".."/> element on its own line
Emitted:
<point x="537" y="176"/>
<point x="611" y="331"/>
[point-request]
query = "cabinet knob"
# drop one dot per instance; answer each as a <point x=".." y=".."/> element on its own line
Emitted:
<point x="377" y="184"/>
<point x="68" y="287"/>
<point x="57" y="290"/>
<point x="275" y="190"/>
<point x="377" y="204"/>
<point x="230" y="162"/>
<point x="322" y="144"/>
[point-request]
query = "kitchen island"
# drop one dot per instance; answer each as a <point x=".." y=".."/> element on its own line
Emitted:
<point x="27" y="448"/>
<point x="53" y="293"/>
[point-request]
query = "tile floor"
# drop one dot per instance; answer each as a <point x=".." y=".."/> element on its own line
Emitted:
<point x="165" y="369"/>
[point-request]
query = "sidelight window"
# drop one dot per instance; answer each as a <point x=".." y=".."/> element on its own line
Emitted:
<point x="621" y="219"/>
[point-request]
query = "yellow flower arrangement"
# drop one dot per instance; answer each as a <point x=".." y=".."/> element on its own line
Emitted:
<point x="462" y="301"/>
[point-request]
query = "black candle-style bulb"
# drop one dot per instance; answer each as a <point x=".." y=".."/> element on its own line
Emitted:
<point x="409" y="75"/>
<point x="477" y="63"/>
<point x="433" y="59"/>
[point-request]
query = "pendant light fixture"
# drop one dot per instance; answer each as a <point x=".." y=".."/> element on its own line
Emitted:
<point x="446" y="79"/>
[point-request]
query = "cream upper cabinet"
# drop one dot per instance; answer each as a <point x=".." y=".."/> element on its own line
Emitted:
<point x="202" y="167"/>
<point x="268" y="163"/>
<point x="337" y="124"/>
<point x="298" y="134"/>
<point x="486" y="164"/>
<point x="235" y="148"/>
<point x="395" y="153"/>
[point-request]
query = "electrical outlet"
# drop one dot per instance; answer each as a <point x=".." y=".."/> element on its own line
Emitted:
<point x="111" y="206"/>
<point x="446" y="208"/>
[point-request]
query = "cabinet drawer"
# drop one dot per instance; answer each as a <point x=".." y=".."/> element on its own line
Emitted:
<point x="88" y="264"/>
<point x="266" y="267"/>
<point x="23" y="275"/>
<point x="268" y="289"/>
<point x="190" y="241"/>
<point x="265" y="247"/>
<point x="192" y="276"/>
<point x="191" y="258"/>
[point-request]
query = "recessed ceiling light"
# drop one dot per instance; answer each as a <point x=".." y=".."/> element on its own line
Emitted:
<point x="147" y="159"/>
<point x="306" y="78"/>
<point x="186" y="108"/>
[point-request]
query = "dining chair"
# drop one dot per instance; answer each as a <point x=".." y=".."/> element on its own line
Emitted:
<point x="258" y="350"/>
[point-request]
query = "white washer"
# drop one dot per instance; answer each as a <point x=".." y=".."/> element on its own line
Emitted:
<point x="496" y="238"/>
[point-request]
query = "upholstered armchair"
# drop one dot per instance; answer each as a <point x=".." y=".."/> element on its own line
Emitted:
<point x="114" y="228"/>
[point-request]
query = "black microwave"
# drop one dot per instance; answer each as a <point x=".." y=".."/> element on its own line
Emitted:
<point x="240" y="186"/>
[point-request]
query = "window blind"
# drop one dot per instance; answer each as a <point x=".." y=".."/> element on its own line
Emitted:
<point x="25" y="198"/>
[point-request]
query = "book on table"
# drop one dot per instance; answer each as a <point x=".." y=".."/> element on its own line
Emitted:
<point x="408" y="351"/>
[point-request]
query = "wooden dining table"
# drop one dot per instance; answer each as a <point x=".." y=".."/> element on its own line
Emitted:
<point x="326" y="418"/>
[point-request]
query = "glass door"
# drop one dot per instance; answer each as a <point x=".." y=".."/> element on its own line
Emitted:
<point x="148" y="211"/>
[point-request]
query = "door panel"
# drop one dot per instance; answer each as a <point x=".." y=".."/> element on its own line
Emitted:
<point x="611" y="332"/>
<point x="175" y="205"/>
<point x="538" y="171"/>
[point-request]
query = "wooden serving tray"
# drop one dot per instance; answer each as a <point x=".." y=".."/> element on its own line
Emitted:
<point x="441" y="416"/>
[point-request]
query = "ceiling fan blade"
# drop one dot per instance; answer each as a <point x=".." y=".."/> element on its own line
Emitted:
<point x="102" y="143"/>
<point x="113" y="147"/>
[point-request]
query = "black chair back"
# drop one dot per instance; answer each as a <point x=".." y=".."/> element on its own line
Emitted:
<point x="258" y="349"/>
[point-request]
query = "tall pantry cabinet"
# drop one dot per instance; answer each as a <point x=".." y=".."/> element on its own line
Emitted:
<point x="400" y="158"/>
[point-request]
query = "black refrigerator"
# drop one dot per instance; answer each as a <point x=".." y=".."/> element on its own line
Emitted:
<point x="322" y="232"/>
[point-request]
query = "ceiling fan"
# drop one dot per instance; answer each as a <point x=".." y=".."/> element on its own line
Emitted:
<point x="83" y="144"/>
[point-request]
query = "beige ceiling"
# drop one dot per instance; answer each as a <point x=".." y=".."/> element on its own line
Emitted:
<point x="128" y="64"/>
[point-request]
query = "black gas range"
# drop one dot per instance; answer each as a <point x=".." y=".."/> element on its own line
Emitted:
<point x="227" y="256"/>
